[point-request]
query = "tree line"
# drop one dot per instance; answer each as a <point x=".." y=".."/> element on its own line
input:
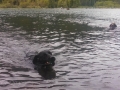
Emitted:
<point x="59" y="3"/>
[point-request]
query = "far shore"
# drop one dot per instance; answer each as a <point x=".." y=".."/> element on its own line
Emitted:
<point x="15" y="6"/>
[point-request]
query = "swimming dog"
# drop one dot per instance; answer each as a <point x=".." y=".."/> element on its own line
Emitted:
<point x="44" y="62"/>
<point x="112" y="26"/>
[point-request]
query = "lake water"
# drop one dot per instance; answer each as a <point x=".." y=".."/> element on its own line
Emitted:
<point x="87" y="52"/>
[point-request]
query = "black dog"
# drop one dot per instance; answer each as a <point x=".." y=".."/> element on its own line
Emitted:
<point x="44" y="63"/>
<point x="112" y="26"/>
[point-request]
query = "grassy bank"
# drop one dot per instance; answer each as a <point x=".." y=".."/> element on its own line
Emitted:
<point x="59" y="3"/>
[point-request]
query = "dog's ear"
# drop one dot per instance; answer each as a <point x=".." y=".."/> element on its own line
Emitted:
<point x="35" y="60"/>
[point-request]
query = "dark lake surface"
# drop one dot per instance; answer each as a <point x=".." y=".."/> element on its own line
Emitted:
<point x="87" y="52"/>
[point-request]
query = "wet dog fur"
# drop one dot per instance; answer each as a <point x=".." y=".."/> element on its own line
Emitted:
<point x="44" y="62"/>
<point x="112" y="26"/>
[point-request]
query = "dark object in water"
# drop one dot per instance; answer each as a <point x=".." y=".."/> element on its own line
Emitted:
<point x="44" y="62"/>
<point x="67" y="8"/>
<point x="112" y="26"/>
<point x="46" y="72"/>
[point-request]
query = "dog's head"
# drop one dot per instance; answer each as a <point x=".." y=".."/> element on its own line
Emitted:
<point x="112" y="26"/>
<point x="44" y="63"/>
<point x="44" y="58"/>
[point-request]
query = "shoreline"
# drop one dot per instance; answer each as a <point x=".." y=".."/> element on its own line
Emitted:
<point x="15" y="6"/>
<point x="63" y="8"/>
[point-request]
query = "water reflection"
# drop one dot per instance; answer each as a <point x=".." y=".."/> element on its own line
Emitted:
<point x="87" y="53"/>
<point x="51" y="29"/>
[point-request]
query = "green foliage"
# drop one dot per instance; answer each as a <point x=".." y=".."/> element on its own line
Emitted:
<point x="42" y="3"/>
<point x="52" y="3"/>
<point x="62" y="3"/>
<point x="68" y="3"/>
<point x="59" y="3"/>
<point x="100" y="3"/>
<point x="24" y="4"/>
<point x="107" y="3"/>
<point x="74" y="3"/>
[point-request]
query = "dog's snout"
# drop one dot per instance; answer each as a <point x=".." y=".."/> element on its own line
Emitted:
<point x="52" y="58"/>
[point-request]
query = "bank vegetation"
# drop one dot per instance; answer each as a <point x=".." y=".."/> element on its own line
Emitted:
<point x="58" y="3"/>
